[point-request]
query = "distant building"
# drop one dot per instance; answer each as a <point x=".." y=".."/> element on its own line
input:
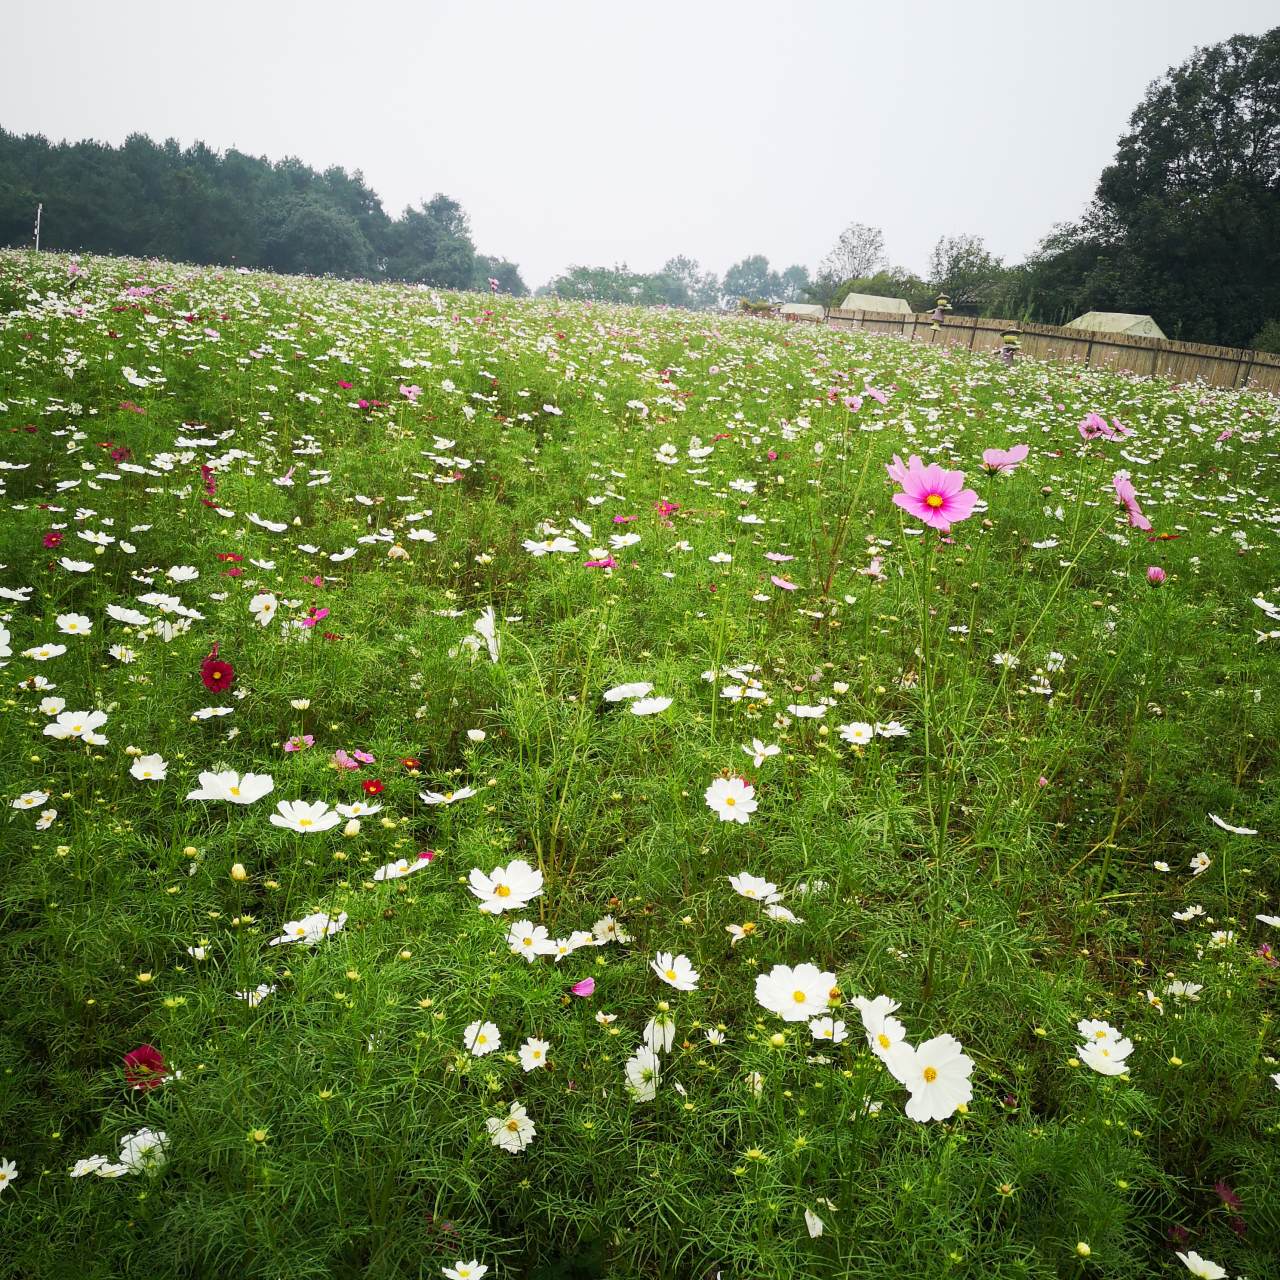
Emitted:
<point x="803" y="311"/>
<point x="1132" y="326"/>
<point x="873" y="302"/>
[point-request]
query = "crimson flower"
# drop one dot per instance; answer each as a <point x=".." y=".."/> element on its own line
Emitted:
<point x="52" y="540"/>
<point x="372" y="786"/>
<point x="216" y="674"/>
<point x="144" y="1067"/>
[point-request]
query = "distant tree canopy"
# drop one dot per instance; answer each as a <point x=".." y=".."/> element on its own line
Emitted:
<point x="196" y="205"/>
<point x="680" y="283"/>
<point x="1185" y="223"/>
<point x="752" y="278"/>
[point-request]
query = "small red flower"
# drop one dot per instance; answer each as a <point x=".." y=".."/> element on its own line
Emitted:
<point x="144" y="1067"/>
<point x="52" y="540"/>
<point x="372" y="786"/>
<point x="410" y="763"/>
<point x="216" y="674"/>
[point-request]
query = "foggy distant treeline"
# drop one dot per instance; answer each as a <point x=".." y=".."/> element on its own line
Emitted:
<point x="198" y="205"/>
<point x="1184" y="224"/>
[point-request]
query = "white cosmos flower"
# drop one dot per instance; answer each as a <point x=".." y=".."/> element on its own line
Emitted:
<point x="30" y="800"/>
<point x="402" y="867"/>
<point x="509" y="888"/>
<point x="44" y="652"/>
<point x="533" y="1053"/>
<point x="308" y="818"/>
<point x="51" y="706"/>
<point x="144" y="1151"/>
<point x="754" y="887"/>
<point x="675" y="971"/>
<point x="481" y="1038"/>
<point x="828" y="1029"/>
<point x="660" y="1033"/>
<point x="78" y="724"/>
<point x="937" y="1074"/>
<point x="623" y="692"/>
<point x="447" y="797"/>
<point x="760" y="751"/>
<point x="529" y="940"/>
<point x="486" y="625"/>
<point x="549" y="546"/>
<point x="858" y="733"/>
<point x="513" y="1132"/>
<point x="643" y="1070"/>
<point x="255" y="997"/>
<point x="1226" y="826"/>
<point x="74" y="624"/>
<point x="310" y="929"/>
<point x="357" y="809"/>
<point x="806" y="713"/>
<point x="183" y="573"/>
<point x="1203" y="1268"/>
<point x="731" y="799"/>
<point x="883" y="1032"/>
<point x="152" y="768"/>
<point x="263" y="606"/>
<point x="230" y="786"/>
<point x="795" y="994"/>
<point x="649" y="706"/>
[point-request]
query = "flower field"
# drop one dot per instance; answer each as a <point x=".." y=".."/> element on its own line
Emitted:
<point x="541" y="790"/>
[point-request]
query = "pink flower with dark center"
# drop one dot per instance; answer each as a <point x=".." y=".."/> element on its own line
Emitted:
<point x="1004" y="459"/>
<point x="1127" y="496"/>
<point x="934" y="495"/>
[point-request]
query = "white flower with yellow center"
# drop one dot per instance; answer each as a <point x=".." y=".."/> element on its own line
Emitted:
<point x="509" y="888"/>
<point x="796" y="994"/>
<point x="675" y="971"/>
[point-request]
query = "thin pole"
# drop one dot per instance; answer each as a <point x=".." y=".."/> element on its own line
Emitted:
<point x="39" y="210"/>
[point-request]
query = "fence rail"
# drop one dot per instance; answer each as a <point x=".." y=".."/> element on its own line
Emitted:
<point x="1157" y="357"/>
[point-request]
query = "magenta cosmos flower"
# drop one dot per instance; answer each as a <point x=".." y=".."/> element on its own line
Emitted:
<point x="932" y="494"/>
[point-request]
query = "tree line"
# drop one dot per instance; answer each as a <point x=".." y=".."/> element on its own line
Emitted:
<point x="1184" y="224"/>
<point x="151" y="199"/>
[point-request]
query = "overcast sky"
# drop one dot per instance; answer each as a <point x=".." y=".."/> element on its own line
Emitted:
<point x="611" y="132"/>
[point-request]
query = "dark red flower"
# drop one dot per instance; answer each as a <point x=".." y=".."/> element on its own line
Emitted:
<point x="372" y="786"/>
<point x="52" y="540"/>
<point x="410" y="763"/>
<point x="216" y="674"/>
<point x="144" y="1067"/>
<point x="1222" y="1189"/>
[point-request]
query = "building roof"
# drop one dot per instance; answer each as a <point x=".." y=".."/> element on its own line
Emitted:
<point x="1136" y="326"/>
<point x="802" y="309"/>
<point x="874" y="302"/>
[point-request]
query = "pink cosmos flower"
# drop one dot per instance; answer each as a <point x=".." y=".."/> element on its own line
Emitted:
<point x="1127" y="496"/>
<point x="777" y="557"/>
<point x="853" y="403"/>
<point x="782" y="582"/>
<point x="1094" y="425"/>
<point x="343" y="761"/>
<point x="1004" y="459"/>
<point x="934" y="495"/>
<point x="897" y="469"/>
<point x="876" y="394"/>
<point x="364" y="757"/>
<point x="410" y="393"/>
<point x="1156" y="575"/>
<point x="607" y="563"/>
<point x="300" y="742"/>
<point x="586" y="987"/>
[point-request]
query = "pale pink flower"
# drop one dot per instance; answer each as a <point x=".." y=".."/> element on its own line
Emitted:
<point x="1127" y="496"/>
<point x="1004" y="459"/>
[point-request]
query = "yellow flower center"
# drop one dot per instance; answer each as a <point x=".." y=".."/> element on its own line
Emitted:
<point x="448" y="795"/>
<point x="77" y="728"/>
<point x="528" y="942"/>
<point x="930" y="1074"/>
<point x="671" y="975"/>
<point x="305" y="822"/>
<point x="235" y="791"/>
<point x="503" y="890"/>
<point x="886" y="1043"/>
<point x="730" y="801"/>
<point x="513" y="1125"/>
<point x="933" y="500"/>
<point x="482" y="1039"/>
<point x="798" y="997"/>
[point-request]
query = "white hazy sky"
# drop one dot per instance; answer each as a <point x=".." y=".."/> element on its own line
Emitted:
<point x="609" y="132"/>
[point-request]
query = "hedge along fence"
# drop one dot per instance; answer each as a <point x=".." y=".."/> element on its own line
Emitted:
<point x="1156" y="357"/>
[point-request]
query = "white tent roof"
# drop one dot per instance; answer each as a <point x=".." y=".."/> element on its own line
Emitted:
<point x="873" y="302"/>
<point x="1135" y="326"/>
<point x="802" y="309"/>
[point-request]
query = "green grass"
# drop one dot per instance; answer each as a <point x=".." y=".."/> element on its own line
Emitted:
<point x="992" y="870"/>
